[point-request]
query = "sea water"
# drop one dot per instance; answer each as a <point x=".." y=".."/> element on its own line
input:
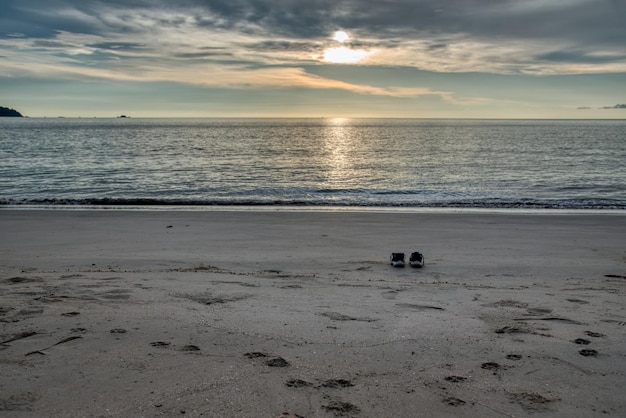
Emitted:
<point x="572" y="164"/>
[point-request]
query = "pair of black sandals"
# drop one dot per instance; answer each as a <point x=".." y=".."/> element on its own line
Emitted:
<point x="416" y="259"/>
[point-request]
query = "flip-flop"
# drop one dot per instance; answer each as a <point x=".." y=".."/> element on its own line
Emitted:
<point x="397" y="259"/>
<point x="416" y="260"/>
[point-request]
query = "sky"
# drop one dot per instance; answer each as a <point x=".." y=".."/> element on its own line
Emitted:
<point x="314" y="58"/>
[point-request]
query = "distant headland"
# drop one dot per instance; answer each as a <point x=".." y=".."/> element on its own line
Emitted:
<point x="6" y="112"/>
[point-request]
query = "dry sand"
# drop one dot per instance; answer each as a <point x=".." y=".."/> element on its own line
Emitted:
<point x="297" y="314"/>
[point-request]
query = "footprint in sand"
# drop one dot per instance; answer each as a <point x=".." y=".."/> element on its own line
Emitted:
<point x="454" y="401"/>
<point x="512" y="330"/>
<point x="160" y="344"/>
<point x="190" y="348"/>
<point x="455" y="379"/>
<point x="490" y="365"/>
<point x="340" y="407"/>
<point x="255" y="354"/>
<point x="513" y="357"/>
<point x="594" y="334"/>
<point x="298" y="383"/>
<point x="588" y="352"/>
<point x="337" y="383"/>
<point x="18" y="402"/>
<point x="531" y="402"/>
<point x="276" y="361"/>
<point x="581" y="341"/>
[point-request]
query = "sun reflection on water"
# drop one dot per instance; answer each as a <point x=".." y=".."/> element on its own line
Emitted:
<point x="341" y="148"/>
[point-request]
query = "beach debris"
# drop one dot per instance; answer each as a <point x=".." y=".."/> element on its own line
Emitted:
<point x="70" y="314"/>
<point x="200" y="268"/>
<point x="65" y="340"/>
<point x="581" y="301"/>
<point x="550" y="318"/>
<point x="615" y="276"/>
<point x="419" y="307"/>
<point x="19" y="336"/>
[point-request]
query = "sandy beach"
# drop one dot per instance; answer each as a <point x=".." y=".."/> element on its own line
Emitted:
<point x="299" y="314"/>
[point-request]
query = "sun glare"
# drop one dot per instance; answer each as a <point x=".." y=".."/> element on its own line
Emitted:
<point x="343" y="55"/>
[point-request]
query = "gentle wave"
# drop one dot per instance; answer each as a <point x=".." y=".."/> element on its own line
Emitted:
<point x="486" y="204"/>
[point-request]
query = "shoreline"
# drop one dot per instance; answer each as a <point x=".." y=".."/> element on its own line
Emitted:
<point x="320" y="209"/>
<point x="121" y="313"/>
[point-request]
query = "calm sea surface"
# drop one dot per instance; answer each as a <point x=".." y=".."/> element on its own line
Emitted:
<point x="318" y="162"/>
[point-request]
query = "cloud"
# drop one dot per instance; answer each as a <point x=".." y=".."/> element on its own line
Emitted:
<point x="582" y="57"/>
<point x="617" y="106"/>
<point x="239" y="43"/>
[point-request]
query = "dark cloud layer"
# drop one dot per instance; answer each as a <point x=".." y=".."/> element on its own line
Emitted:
<point x="590" y="21"/>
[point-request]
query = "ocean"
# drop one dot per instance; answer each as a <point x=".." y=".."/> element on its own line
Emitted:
<point x="325" y="162"/>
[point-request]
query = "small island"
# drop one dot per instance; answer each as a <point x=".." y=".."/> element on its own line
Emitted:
<point x="6" y="112"/>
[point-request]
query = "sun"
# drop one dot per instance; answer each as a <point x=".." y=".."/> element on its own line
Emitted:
<point x="343" y="54"/>
<point x="340" y="36"/>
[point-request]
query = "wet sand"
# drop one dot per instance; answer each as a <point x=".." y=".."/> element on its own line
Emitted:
<point x="299" y="314"/>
